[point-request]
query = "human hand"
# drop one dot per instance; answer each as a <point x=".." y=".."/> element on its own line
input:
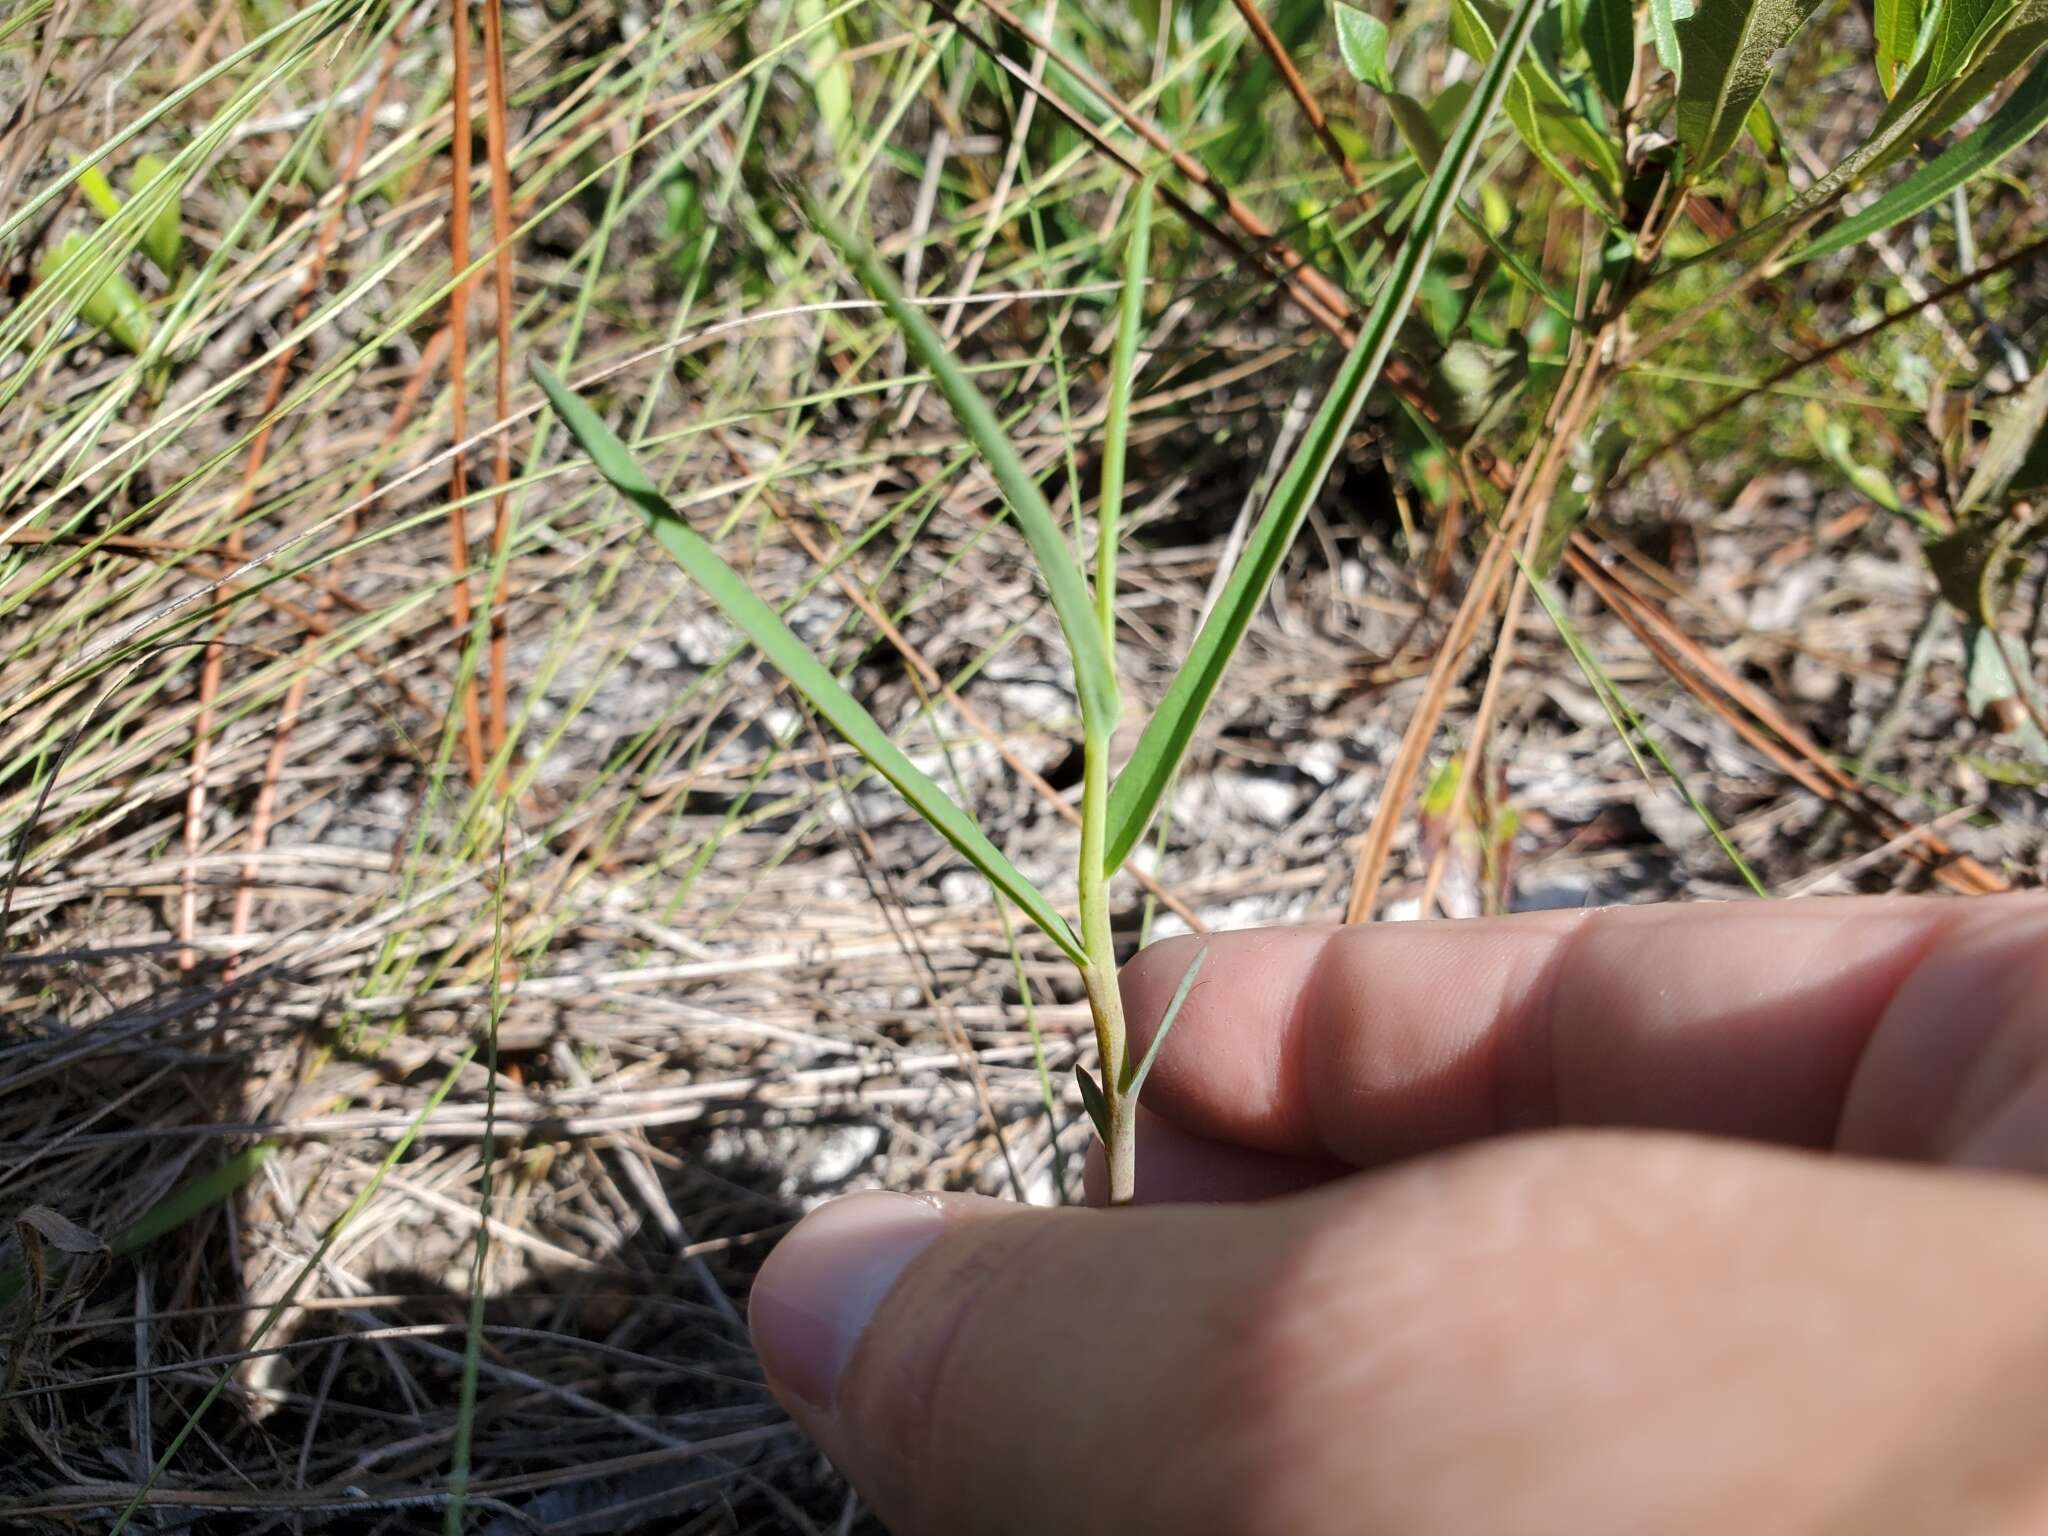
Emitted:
<point x="1465" y="1317"/>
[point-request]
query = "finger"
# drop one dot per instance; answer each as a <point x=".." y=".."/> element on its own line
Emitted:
<point x="1596" y="1333"/>
<point x="1378" y="1041"/>
<point x="1175" y="1167"/>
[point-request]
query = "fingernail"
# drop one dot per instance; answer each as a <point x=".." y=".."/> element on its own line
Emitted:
<point x="820" y="1287"/>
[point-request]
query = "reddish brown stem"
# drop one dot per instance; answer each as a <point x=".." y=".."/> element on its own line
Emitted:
<point x="1311" y="109"/>
<point x="460" y="613"/>
<point x="501" y="237"/>
<point x="234" y="547"/>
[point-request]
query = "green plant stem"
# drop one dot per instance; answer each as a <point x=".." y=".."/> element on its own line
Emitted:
<point x="1105" y="1000"/>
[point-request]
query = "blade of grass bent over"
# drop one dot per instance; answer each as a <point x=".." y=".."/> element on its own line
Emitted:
<point x="793" y="659"/>
<point x="1144" y="779"/>
<point x="1093" y="677"/>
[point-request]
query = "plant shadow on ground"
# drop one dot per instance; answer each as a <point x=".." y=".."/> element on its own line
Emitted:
<point x="617" y="1389"/>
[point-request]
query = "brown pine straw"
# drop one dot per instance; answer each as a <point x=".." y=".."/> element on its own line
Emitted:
<point x="316" y="625"/>
<point x="1794" y="752"/>
<point x="1304" y="99"/>
<point x="234" y="546"/>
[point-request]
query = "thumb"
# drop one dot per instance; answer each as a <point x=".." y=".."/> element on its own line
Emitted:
<point x="978" y="1366"/>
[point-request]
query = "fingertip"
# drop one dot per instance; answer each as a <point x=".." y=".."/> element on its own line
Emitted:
<point x="821" y="1285"/>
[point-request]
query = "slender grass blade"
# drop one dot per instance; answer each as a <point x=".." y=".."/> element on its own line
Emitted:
<point x="1136" y="1079"/>
<point x="793" y="659"/>
<point x="1146" y="776"/>
<point x="1093" y="676"/>
<point x="1116" y="426"/>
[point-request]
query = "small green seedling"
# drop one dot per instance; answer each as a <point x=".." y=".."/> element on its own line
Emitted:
<point x="112" y="305"/>
<point x="164" y="241"/>
<point x="1115" y="808"/>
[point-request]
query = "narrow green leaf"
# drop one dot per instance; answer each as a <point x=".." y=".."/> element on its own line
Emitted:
<point x="1093" y="676"/>
<point x="1608" y="32"/>
<point x="164" y="241"/>
<point x="1631" y="726"/>
<point x="2021" y="117"/>
<point x="1896" y="24"/>
<point x="1990" y="682"/>
<point x="2017" y="423"/>
<point x="1362" y="41"/>
<point x="1922" y="108"/>
<point x="830" y="77"/>
<point x="1134" y="1081"/>
<point x="1419" y="132"/>
<point x="1764" y="129"/>
<point x="1116" y="425"/>
<point x="1091" y="1100"/>
<point x="1727" y="47"/>
<point x="1417" y="129"/>
<point x="2002" y="49"/>
<point x="1146" y="776"/>
<point x="809" y="676"/>
<point x="92" y="181"/>
<point x="1831" y="435"/>
<point x="1954" y="30"/>
<point x="184" y="1204"/>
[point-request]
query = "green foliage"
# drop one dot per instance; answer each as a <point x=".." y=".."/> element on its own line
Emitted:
<point x="1896" y="27"/>
<point x="1549" y="120"/>
<point x="2018" y="119"/>
<point x="1134" y="1079"/>
<point x="93" y="183"/>
<point x="1092" y="1101"/>
<point x="111" y="304"/>
<point x="1726" y="46"/>
<point x="1665" y="15"/>
<point x="163" y="241"/>
<point x="1608" y="34"/>
<point x="1831" y="435"/>
<point x="1362" y="40"/>
<point x="1150" y="770"/>
<point x="182" y="1206"/>
<point x="1116" y="425"/>
<point x="1094" y="677"/>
